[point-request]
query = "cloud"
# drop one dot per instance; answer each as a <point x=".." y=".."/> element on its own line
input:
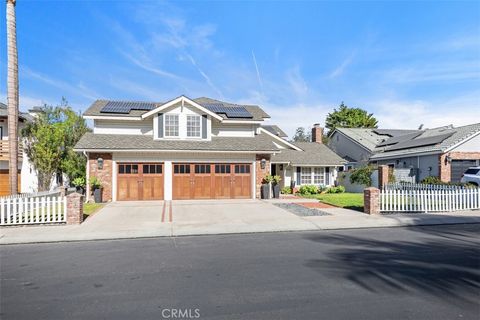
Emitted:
<point x="296" y="81"/>
<point x="258" y="72"/>
<point x="338" y="71"/>
<point x="204" y="75"/>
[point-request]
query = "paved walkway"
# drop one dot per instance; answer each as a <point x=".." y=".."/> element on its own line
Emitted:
<point x="180" y="218"/>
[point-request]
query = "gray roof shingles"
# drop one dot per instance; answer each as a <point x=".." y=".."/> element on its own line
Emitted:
<point x="91" y="141"/>
<point x="312" y="153"/>
<point x="275" y="130"/>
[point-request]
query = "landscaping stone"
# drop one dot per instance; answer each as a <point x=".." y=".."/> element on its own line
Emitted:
<point x="301" y="210"/>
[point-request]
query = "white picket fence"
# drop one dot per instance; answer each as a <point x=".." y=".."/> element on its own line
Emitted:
<point x="429" y="200"/>
<point x="33" y="210"/>
<point x="421" y="186"/>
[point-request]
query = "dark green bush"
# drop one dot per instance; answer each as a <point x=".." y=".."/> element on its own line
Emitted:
<point x="308" y="189"/>
<point x="362" y="175"/>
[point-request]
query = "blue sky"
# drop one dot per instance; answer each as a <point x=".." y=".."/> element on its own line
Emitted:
<point x="407" y="62"/>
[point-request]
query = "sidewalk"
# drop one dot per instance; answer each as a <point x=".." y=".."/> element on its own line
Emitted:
<point x="123" y="220"/>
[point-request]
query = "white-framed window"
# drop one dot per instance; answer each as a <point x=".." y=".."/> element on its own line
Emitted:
<point x="193" y="126"/>
<point x="171" y="125"/>
<point x="319" y="176"/>
<point x="306" y="175"/>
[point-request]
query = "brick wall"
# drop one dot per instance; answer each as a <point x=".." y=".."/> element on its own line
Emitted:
<point x="317" y="133"/>
<point x="445" y="167"/>
<point x="74" y="208"/>
<point x="104" y="175"/>
<point x="371" y="200"/>
<point x="382" y="176"/>
<point x="260" y="173"/>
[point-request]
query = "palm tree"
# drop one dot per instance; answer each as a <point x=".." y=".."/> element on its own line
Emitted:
<point x="12" y="96"/>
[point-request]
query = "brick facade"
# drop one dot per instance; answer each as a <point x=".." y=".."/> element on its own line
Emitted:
<point x="260" y="173"/>
<point x="74" y="208"/>
<point x="371" y="200"/>
<point x="445" y="167"/>
<point x="104" y="175"/>
<point x="383" y="172"/>
<point x="317" y="133"/>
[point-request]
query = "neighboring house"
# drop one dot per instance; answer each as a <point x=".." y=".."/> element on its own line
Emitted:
<point x="183" y="149"/>
<point x="316" y="164"/>
<point x="445" y="152"/>
<point x="27" y="178"/>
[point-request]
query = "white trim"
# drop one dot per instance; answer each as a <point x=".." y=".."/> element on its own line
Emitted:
<point x="180" y="151"/>
<point x="462" y="142"/>
<point x="112" y="118"/>
<point x="405" y="155"/>
<point x="114" y="180"/>
<point x="280" y="139"/>
<point x="181" y="99"/>
<point x="254" y="180"/>
<point x="242" y="121"/>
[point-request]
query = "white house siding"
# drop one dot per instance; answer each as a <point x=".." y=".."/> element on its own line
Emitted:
<point x="232" y="130"/>
<point x="169" y="158"/>
<point x="144" y="127"/>
<point x="182" y="112"/>
<point x="346" y="147"/>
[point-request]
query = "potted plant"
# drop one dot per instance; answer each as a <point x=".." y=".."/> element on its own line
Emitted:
<point x="265" y="190"/>
<point x="97" y="189"/>
<point x="276" y="186"/>
<point x="79" y="184"/>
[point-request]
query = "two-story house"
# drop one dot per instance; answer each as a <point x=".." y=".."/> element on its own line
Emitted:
<point x="189" y="149"/>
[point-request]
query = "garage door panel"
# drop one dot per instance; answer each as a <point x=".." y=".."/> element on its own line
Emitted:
<point x="140" y="181"/>
<point x="223" y="187"/>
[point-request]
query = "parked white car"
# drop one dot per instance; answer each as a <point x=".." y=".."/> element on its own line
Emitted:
<point x="472" y="175"/>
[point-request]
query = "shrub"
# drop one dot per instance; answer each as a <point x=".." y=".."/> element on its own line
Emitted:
<point x="95" y="183"/>
<point x="339" y="189"/>
<point x="308" y="189"/>
<point x="267" y="179"/>
<point x="286" y="190"/>
<point x="79" y="182"/>
<point x="362" y="175"/>
<point x="276" y="179"/>
<point x="432" y="180"/>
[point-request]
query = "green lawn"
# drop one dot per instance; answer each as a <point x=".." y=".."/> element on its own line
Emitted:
<point x="90" y="208"/>
<point x="344" y="200"/>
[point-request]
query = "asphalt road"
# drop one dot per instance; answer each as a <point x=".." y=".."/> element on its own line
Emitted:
<point x="395" y="273"/>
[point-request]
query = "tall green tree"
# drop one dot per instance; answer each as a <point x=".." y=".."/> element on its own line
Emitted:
<point x="49" y="141"/>
<point x="301" y="135"/>
<point x="347" y="117"/>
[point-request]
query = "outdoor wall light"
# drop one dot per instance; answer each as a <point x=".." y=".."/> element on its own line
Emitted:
<point x="281" y="167"/>
<point x="448" y="159"/>
<point x="429" y="168"/>
<point x="100" y="163"/>
<point x="263" y="163"/>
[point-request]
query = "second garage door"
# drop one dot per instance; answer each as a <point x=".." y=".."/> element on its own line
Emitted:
<point x="211" y="181"/>
<point x="140" y="181"/>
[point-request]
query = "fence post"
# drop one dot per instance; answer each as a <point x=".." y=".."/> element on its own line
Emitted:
<point x="382" y="176"/>
<point x="74" y="208"/>
<point x="371" y="200"/>
<point x="62" y="190"/>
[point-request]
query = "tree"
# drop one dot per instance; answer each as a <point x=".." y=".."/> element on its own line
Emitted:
<point x="347" y="117"/>
<point x="12" y="96"/>
<point x="49" y="142"/>
<point x="301" y="136"/>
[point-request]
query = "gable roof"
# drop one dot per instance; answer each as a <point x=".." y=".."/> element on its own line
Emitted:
<point x="311" y="153"/>
<point x="370" y="138"/>
<point x="181" y="99"/>
<point x="274" y="129"/>
<point x="436" y="140"/>
<point x="21" y="115"/>
<point x="95" y="110"/>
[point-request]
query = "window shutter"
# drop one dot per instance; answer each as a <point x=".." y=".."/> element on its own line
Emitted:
<point x="160" y="125"/>
<point x="327" y="176"/>
<point x="204" y="126"/>
<point x="299" y="172"/>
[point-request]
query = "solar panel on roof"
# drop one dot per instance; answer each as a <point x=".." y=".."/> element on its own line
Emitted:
<point x="230" y="112"/>
<point x="125" y="107"/>
<point x="421" y="142"/>
<point x="397" y="139"/>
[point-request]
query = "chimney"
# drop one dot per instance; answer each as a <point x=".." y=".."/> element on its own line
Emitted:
<point x="317" y="133"/>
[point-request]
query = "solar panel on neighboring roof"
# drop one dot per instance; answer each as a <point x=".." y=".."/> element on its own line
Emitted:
<point x="421" y="142"/>
<point x="230" y="112"/>
<point x="397" y="139"/>
<point x="125" y="107"/>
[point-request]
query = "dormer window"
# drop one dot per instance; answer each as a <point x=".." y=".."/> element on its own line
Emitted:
<point x="171" y="125"/>
<point x="193" y="126"/>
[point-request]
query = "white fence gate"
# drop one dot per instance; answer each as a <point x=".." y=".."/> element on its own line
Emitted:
<point x="33" y="210"/>
<point x="430" y="200"/>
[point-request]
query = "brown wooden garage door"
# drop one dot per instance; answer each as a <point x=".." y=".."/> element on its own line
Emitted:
<point x="140" y="181"/>
<point x="211" y="181"/>
<point x="5" y="182"/>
